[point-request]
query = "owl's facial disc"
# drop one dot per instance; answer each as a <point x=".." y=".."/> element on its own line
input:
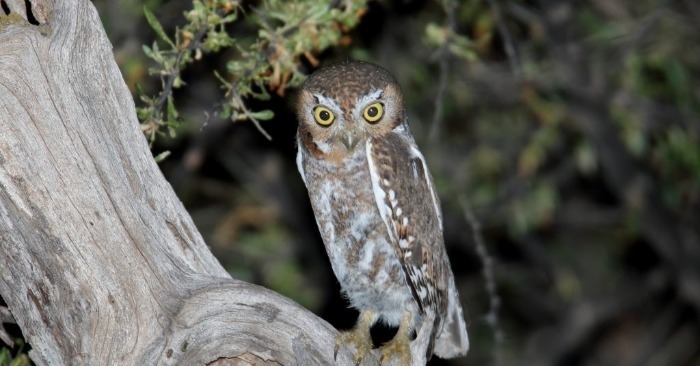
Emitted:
<point x="341" y="109"/>
<point x="339" y="128"/>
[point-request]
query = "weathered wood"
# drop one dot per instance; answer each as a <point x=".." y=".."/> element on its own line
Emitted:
<point x="100" y="263"/>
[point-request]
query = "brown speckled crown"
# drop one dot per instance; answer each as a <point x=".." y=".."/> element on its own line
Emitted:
<point x="345" y="80"/>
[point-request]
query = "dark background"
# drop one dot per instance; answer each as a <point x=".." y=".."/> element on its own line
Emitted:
<point x="569" y="128"/>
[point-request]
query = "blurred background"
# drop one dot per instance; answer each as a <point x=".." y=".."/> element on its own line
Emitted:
<point x="564" y="138"/>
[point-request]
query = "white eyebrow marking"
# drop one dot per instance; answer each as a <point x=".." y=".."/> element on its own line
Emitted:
<point x="328" y="102"/>
<point x="366" y="99"/>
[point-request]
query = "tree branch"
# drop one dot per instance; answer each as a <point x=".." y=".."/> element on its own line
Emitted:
<point x="101" y="264"/>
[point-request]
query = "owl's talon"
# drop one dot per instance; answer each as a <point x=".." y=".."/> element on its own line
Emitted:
<point x="357" y="337"/>
<point x="399" y="347"/>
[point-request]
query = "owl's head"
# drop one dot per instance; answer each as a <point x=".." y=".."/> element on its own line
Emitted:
<point x="342" y="105"/>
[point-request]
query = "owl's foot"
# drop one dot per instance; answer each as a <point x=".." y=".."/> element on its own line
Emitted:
<point x="400" y="345"/>
<point x="361" y="340"/>
<point x="359" y="337"/>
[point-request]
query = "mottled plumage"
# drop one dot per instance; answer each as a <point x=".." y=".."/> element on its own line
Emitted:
<point x="376" y="208"/>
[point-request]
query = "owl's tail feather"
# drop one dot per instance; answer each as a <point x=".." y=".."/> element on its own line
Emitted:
<point x="452" y="340"/>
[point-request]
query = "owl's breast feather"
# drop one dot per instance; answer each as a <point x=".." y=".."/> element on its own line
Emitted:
<point x="356" y="239"/>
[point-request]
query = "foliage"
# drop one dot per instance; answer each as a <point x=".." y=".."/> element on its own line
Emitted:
<point x="266" y="57"/>
<point x="17" y="358"/>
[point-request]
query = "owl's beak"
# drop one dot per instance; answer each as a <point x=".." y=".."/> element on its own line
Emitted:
<point x="350" y="141"/>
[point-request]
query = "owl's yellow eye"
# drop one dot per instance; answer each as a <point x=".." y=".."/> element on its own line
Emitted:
<point x="373" y="112"/>
<point x="323" y="116"/>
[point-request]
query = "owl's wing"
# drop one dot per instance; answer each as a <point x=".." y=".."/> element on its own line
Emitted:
<point x="409" y="206"/>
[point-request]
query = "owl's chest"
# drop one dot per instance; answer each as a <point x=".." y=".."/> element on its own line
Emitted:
<point x="356" y="238"/>
<point x="343" y="202"/>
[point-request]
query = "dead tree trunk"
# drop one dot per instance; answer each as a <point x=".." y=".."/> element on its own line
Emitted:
<point x="100" y="264"/>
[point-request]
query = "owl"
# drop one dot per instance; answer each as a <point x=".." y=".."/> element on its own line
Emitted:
<point x="377" y="211"/>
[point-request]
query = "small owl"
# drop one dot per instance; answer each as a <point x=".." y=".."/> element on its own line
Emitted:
<point x="377" y="211"/>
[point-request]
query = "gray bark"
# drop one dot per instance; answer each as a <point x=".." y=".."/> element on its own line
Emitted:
<point x="100" y="264"/>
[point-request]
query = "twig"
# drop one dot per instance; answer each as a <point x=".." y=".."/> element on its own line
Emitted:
<point x="6" y="337"/>
<point x="6" y="317"/>
<point x="489" y="280"/>
<point x="234" y="95"/>
<point x="175" y="71"/>
<point x="657" y="333"/>
<point x="443" y="55"/>
<point x="508" y="43"/>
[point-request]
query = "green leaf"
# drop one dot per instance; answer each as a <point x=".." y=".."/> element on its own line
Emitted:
<point x="155" y="24"/>
<point x="263" y="115"/>
<point x="162" y="156"/>
<point x="177" y="82"/>
<point x="147" y="50"/>
<point x="678" y="80"/>
<point x="221" y="79"/>
<point x="225" y="112"/>
<point x="172" y="111"/>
